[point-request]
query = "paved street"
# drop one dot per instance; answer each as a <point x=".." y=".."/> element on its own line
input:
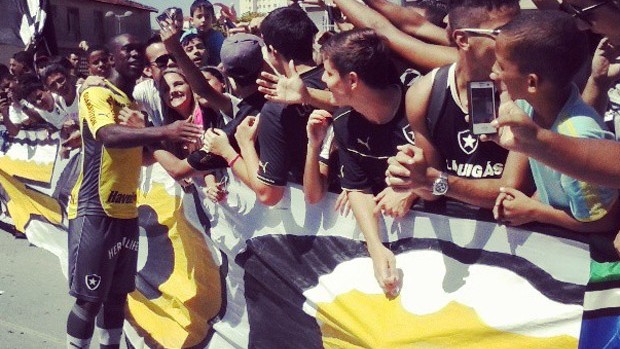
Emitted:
<point x="33" y="296"/>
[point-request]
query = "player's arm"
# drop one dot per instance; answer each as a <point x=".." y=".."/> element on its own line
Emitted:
<point x="101" y="120"/>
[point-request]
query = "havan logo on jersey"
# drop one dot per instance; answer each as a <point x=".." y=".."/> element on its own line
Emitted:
<point x="116" y="197"/>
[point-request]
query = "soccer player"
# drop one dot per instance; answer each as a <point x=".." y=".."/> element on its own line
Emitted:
<point x="103" y="224"/>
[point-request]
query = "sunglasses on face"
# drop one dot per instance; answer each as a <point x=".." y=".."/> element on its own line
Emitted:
<point x="581" y="13"/>
<point x="491" y="33"/>
<point x="162" y="61"/>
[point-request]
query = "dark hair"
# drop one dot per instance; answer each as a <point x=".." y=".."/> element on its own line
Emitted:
<point x="546" y="43"/>
<point x="434" y="10"/>
<point x="61" y="60"/>
<point x="472" y="13"/>
<point x="189" y="37"/>
<point x="53" y="69"/>
<point x="27" y="84"/>
<point x="24" y="57"/>
<point x="364" y="52"/>
<point x="215" y="72"/>
<point x="4" y="71"/>
<point x="291" y="32"/>
<point x="95" y="48"/>
<point x="203" y="4"/>
<point x="155" y="38"/>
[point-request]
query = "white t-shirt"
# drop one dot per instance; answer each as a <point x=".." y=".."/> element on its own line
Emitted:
<point x="61" y="113"/>
<point x="16" y="115"/>
<point x="146" y="94"/>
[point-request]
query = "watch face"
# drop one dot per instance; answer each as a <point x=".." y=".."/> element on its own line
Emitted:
<point x="440" y="186"/>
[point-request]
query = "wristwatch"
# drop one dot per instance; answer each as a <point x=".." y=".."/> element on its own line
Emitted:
<point x="440" y="185"/>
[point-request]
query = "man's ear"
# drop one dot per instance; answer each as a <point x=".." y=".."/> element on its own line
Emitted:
<point x="353" y="80"/>
<point x="460" y="39"/>
<point x="147" y="71"/>
<point x="533" y="83"/>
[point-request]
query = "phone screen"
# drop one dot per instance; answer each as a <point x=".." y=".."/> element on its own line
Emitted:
<point x="482" y="106"/>
<point x="161" y="19"/>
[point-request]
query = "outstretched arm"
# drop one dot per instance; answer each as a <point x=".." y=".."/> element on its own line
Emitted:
<point x="590" y="160"/>
<point x="410" y="21"/>
<point x="605" y="72"/>
<point x="170" y="37"/>
<point x="422" y="55"/>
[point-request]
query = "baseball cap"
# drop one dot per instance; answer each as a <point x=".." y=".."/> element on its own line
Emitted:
<point x="241" y="55"/>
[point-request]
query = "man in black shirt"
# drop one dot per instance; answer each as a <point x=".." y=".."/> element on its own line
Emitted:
<point x="449" y="159"/>
<point x="288" y="34"/>
<point x="362" y="77"/>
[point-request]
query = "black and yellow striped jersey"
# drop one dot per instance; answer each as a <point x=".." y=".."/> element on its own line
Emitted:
<point x="109" y="177"/>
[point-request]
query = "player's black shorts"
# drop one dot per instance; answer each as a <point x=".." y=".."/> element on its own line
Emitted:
<point x="103" y="256"/>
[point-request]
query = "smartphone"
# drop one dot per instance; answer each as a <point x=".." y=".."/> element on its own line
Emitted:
<point x="162" y="18"/>
<point x="482" y="98"/>
<point x="176" y="14"/>
<point x="334" y="14"/>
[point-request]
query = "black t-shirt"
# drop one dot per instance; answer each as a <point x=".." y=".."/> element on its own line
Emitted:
<point x="282" y="136"/>
<point x="364" y="147"/>
<point x="466" y="156"/>
<point x="249" y="106"/>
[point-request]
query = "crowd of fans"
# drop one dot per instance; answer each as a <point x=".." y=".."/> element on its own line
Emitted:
<point x="376" y="110"/>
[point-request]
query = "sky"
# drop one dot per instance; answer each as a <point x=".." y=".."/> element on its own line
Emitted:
<point x="183" y="4"/>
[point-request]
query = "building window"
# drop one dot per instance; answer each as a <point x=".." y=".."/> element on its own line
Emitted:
<point x="73" y="23"/>
<point x="99" y="27"/>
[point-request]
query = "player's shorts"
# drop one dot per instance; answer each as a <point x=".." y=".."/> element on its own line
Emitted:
<point x="103" y="256"/>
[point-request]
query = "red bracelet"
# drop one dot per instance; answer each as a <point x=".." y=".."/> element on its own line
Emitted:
<point x="232" y="162"/>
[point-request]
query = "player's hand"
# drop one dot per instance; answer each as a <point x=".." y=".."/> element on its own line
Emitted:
<point x="92" y="81"/>
<point x="183" y="131"/>
<point x="131" y="118"/>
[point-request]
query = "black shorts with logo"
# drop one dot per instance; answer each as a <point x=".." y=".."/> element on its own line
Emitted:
<point x="103" y="256"/>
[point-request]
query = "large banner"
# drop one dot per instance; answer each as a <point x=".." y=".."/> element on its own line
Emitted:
<point x="242" y="275"/>
<point x="23" y="21"/>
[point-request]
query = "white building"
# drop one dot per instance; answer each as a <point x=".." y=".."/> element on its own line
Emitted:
<point x="261" y="6"/>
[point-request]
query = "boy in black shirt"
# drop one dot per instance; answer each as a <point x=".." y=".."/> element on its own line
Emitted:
<point x="362" y="77"/>
<point x="288" y="34"/>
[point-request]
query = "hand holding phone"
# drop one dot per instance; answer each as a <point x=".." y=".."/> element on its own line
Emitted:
<point x="482" y="99"/>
